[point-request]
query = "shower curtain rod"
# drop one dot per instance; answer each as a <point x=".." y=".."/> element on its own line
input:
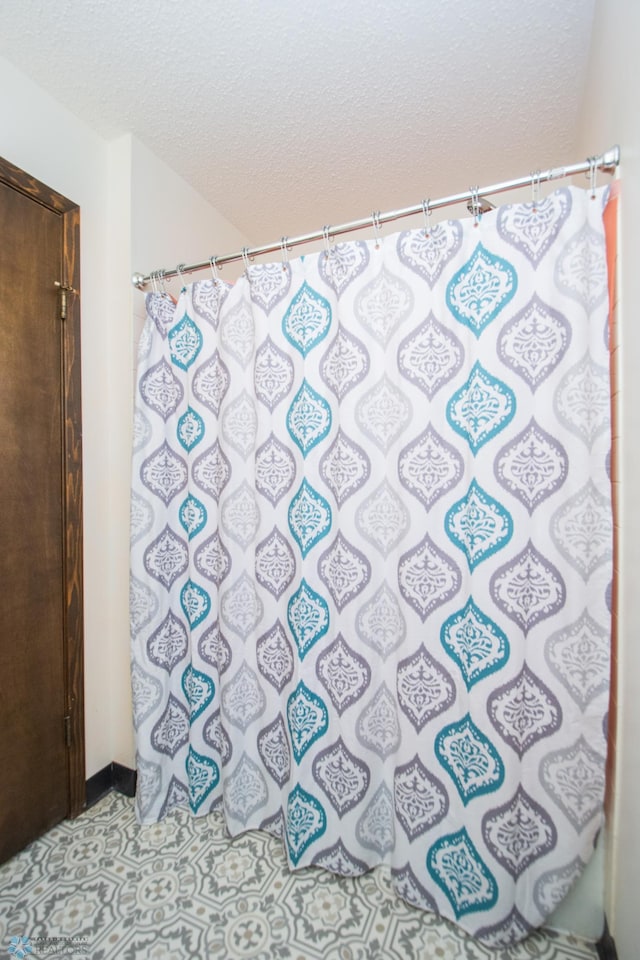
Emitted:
<point x="607" y="161"/>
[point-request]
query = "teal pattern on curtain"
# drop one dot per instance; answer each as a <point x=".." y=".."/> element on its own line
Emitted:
<point x="371" y="557"/>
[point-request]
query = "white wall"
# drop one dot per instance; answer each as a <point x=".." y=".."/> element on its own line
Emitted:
<point x="610" y="115"/>
<point x="136" y="214"/>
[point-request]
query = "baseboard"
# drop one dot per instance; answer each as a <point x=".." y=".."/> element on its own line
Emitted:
<point x="113" y="777"/>
<point x="606" y="946"/>
<point x="124" y="780"/>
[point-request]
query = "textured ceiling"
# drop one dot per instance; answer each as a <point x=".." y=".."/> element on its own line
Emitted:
<point x="287" y="114"/>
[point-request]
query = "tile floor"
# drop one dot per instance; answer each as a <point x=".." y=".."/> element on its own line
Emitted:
<point x="105" y="888"/>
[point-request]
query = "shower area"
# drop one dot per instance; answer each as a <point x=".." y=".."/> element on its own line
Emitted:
<point x="371" y="550"/>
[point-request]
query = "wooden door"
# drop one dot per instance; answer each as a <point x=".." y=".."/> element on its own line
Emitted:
<point x="41" y="676"/>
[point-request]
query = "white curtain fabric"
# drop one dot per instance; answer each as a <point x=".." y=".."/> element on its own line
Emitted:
<point x="371" y="557"/>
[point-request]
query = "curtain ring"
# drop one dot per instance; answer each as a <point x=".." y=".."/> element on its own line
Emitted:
<point x="162" y="280"/>
<point x="213" y="263"/>
<point x="593" y="170"/>
<point x="153" y="276"/>
<point x="285" y="253"/>
<point x="535" y="190"/>
<point x="426" y="210"/>
<point x="375" y="220"/>
<point x="179" y="270"/>
<point x="245" y="260"/>
<point x="327" y="240"/>
<point x="475" y="204"/>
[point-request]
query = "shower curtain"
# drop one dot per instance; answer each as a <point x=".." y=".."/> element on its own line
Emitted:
<point x="371" y="557"/>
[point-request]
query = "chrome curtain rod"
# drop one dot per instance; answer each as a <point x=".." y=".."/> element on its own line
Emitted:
<point x="607" y="161"/>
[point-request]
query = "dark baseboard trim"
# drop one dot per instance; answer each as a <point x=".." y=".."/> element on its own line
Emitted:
<point x="606" y="946"/>
<point x="124" y="780"/>
<point x="113" y="777"/>
<point x="98" y="785"/>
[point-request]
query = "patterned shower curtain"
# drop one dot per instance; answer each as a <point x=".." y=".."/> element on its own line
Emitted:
<point x="371" y="557"/>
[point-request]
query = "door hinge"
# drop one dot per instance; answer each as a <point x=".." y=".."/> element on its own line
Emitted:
<point x="64" y="289"/>
<point x="67" y="731"/>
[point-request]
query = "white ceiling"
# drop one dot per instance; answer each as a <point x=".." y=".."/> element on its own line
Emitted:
<point x="288" y="114"/>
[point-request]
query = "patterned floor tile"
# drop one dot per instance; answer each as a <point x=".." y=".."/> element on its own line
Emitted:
<point x="106" y="888"/>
